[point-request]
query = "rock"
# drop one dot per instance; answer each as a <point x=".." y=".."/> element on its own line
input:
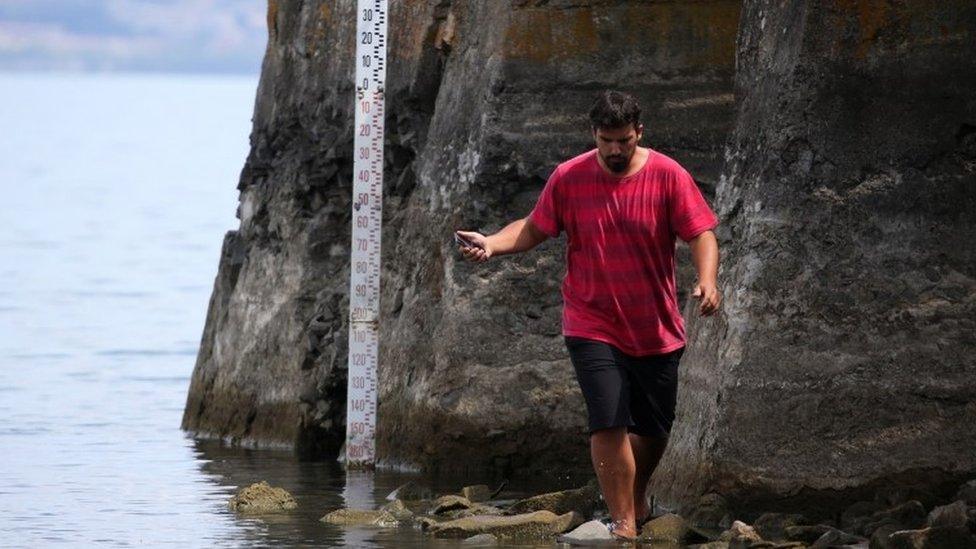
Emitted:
<point x="261" y="497"/>
<point x="772" y="526"/>
<point x="581" y="500"/>
<point x="836" y="211"/>
<point x="669" y="527"/>
<point x="475" y="509"/>
<point x="711" y="513"/>
<point x="536" y="525"/>
<point x="895" y="495"/>
<point x="910" y="514"/>
<point x="859" y="512"/>
<point x="967" y="493"/>
<point x="933" y="537"/>
<point x="880" y="536"/>
<point x="711" y="545"/>
<point x="465" y="119"/>
<point x="410" y="492"/>
<point x="806" y="534"/>
<point x="444" y="504"/>
<point x="835" y="537"/>
<point x="954" y="515"/>
<point x="593" y="532"/>
<point x="739" y="534"/>
<point x="360" y="517"/>
<point x="476" y="493"/>
<point x="481" y="539"/>
<point x="398" y="510"/>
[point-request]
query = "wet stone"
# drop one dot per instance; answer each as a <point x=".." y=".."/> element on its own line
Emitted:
<point x="669" y="527"/>
<point x="477" y="493"/>
<point x="967" y="493"/>
<point x="360" y="517"/>
<point x="536" y="525"/>
<point x="410" y="491"/>
<point x="444" y="504"/>
<point x="481" y="539"/>
<point x="261" y="497"/>
<point x="835" y="537"/>
<point x="953" y="515"/>
<point x="933" y="537"/>
<point x="581" y="500"/>
<point x="772" y="526"/>
<point x="740" y="532"/>
<point x="806" y="534"/>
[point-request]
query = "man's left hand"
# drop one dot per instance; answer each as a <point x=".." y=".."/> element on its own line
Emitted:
<point x="709" y="298"/>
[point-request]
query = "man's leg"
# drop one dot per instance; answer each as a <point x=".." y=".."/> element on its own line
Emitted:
<point x="613" y="461"/>
<point x="647" y="454"/>
<point x="654" y="385"/>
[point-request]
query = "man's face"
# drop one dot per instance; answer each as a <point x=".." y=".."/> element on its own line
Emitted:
<point x="617" y="145"/>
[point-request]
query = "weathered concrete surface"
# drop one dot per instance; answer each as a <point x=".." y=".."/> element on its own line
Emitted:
<point x="483" y="99"/>
<point x="843" y="359"/>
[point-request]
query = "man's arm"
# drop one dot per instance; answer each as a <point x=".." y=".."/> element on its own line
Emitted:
<point x="518" y="236"/>
<point x="704" y="254"/>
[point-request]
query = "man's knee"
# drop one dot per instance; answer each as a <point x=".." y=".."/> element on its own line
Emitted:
<point x="608" y="434"/>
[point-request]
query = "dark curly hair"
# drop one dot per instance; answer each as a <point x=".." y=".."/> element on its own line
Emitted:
<point x="614" y="109"/>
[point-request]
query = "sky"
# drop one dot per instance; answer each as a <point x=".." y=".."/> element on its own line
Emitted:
<point x="196" y="36"/>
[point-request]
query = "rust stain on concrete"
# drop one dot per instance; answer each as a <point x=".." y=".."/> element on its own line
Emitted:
<point x="683" y="35"/>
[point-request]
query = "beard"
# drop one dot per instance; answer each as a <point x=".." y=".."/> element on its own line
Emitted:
<point x="617" y="163"/>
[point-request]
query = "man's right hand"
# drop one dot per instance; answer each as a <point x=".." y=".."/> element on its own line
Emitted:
<point x="480" y="252"/>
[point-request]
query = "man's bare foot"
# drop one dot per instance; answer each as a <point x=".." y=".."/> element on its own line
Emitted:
<point x="622" y="529"/>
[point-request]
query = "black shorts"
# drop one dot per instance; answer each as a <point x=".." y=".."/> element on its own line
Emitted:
<point x="623" y="390"/>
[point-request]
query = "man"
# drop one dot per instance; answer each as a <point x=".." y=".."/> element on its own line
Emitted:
<point x="621" y="205"/>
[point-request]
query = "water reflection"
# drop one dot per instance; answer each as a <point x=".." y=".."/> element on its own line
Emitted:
<point x="323" y="486"/>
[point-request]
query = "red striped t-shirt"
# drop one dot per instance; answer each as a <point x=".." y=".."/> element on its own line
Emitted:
<point x="619" y="285"/>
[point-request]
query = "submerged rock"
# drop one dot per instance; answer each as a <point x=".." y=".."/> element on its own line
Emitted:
<point x="481" y="539"/>
<point x="261" y="497"/>
<point x="537" y="525"/>
<point x="360" y="517"/>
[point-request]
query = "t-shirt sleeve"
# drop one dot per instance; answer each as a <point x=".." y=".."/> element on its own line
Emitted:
<point x="687" y="209"/>
<point x="546" y="214"/>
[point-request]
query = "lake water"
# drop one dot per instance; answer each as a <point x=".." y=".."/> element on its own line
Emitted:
<point x="116" y="193"/>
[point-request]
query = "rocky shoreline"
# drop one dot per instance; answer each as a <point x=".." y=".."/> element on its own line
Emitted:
<point x="894" y="519"/>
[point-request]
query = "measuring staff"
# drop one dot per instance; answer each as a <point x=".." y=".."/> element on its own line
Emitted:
<point x="367" y="213"/>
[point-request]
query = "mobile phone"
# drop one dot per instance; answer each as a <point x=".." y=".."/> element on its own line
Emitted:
<point x="461" y="241"/>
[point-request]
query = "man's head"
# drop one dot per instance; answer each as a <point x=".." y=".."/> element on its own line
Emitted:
<point x="615" y="120"/>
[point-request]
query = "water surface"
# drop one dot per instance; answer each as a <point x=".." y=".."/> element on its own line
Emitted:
<point x="117" y="191"/>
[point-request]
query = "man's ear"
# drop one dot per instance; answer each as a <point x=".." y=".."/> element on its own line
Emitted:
<point x="640" y="131"/>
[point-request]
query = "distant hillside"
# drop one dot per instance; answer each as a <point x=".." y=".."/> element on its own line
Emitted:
<point x="220" y="36"/>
